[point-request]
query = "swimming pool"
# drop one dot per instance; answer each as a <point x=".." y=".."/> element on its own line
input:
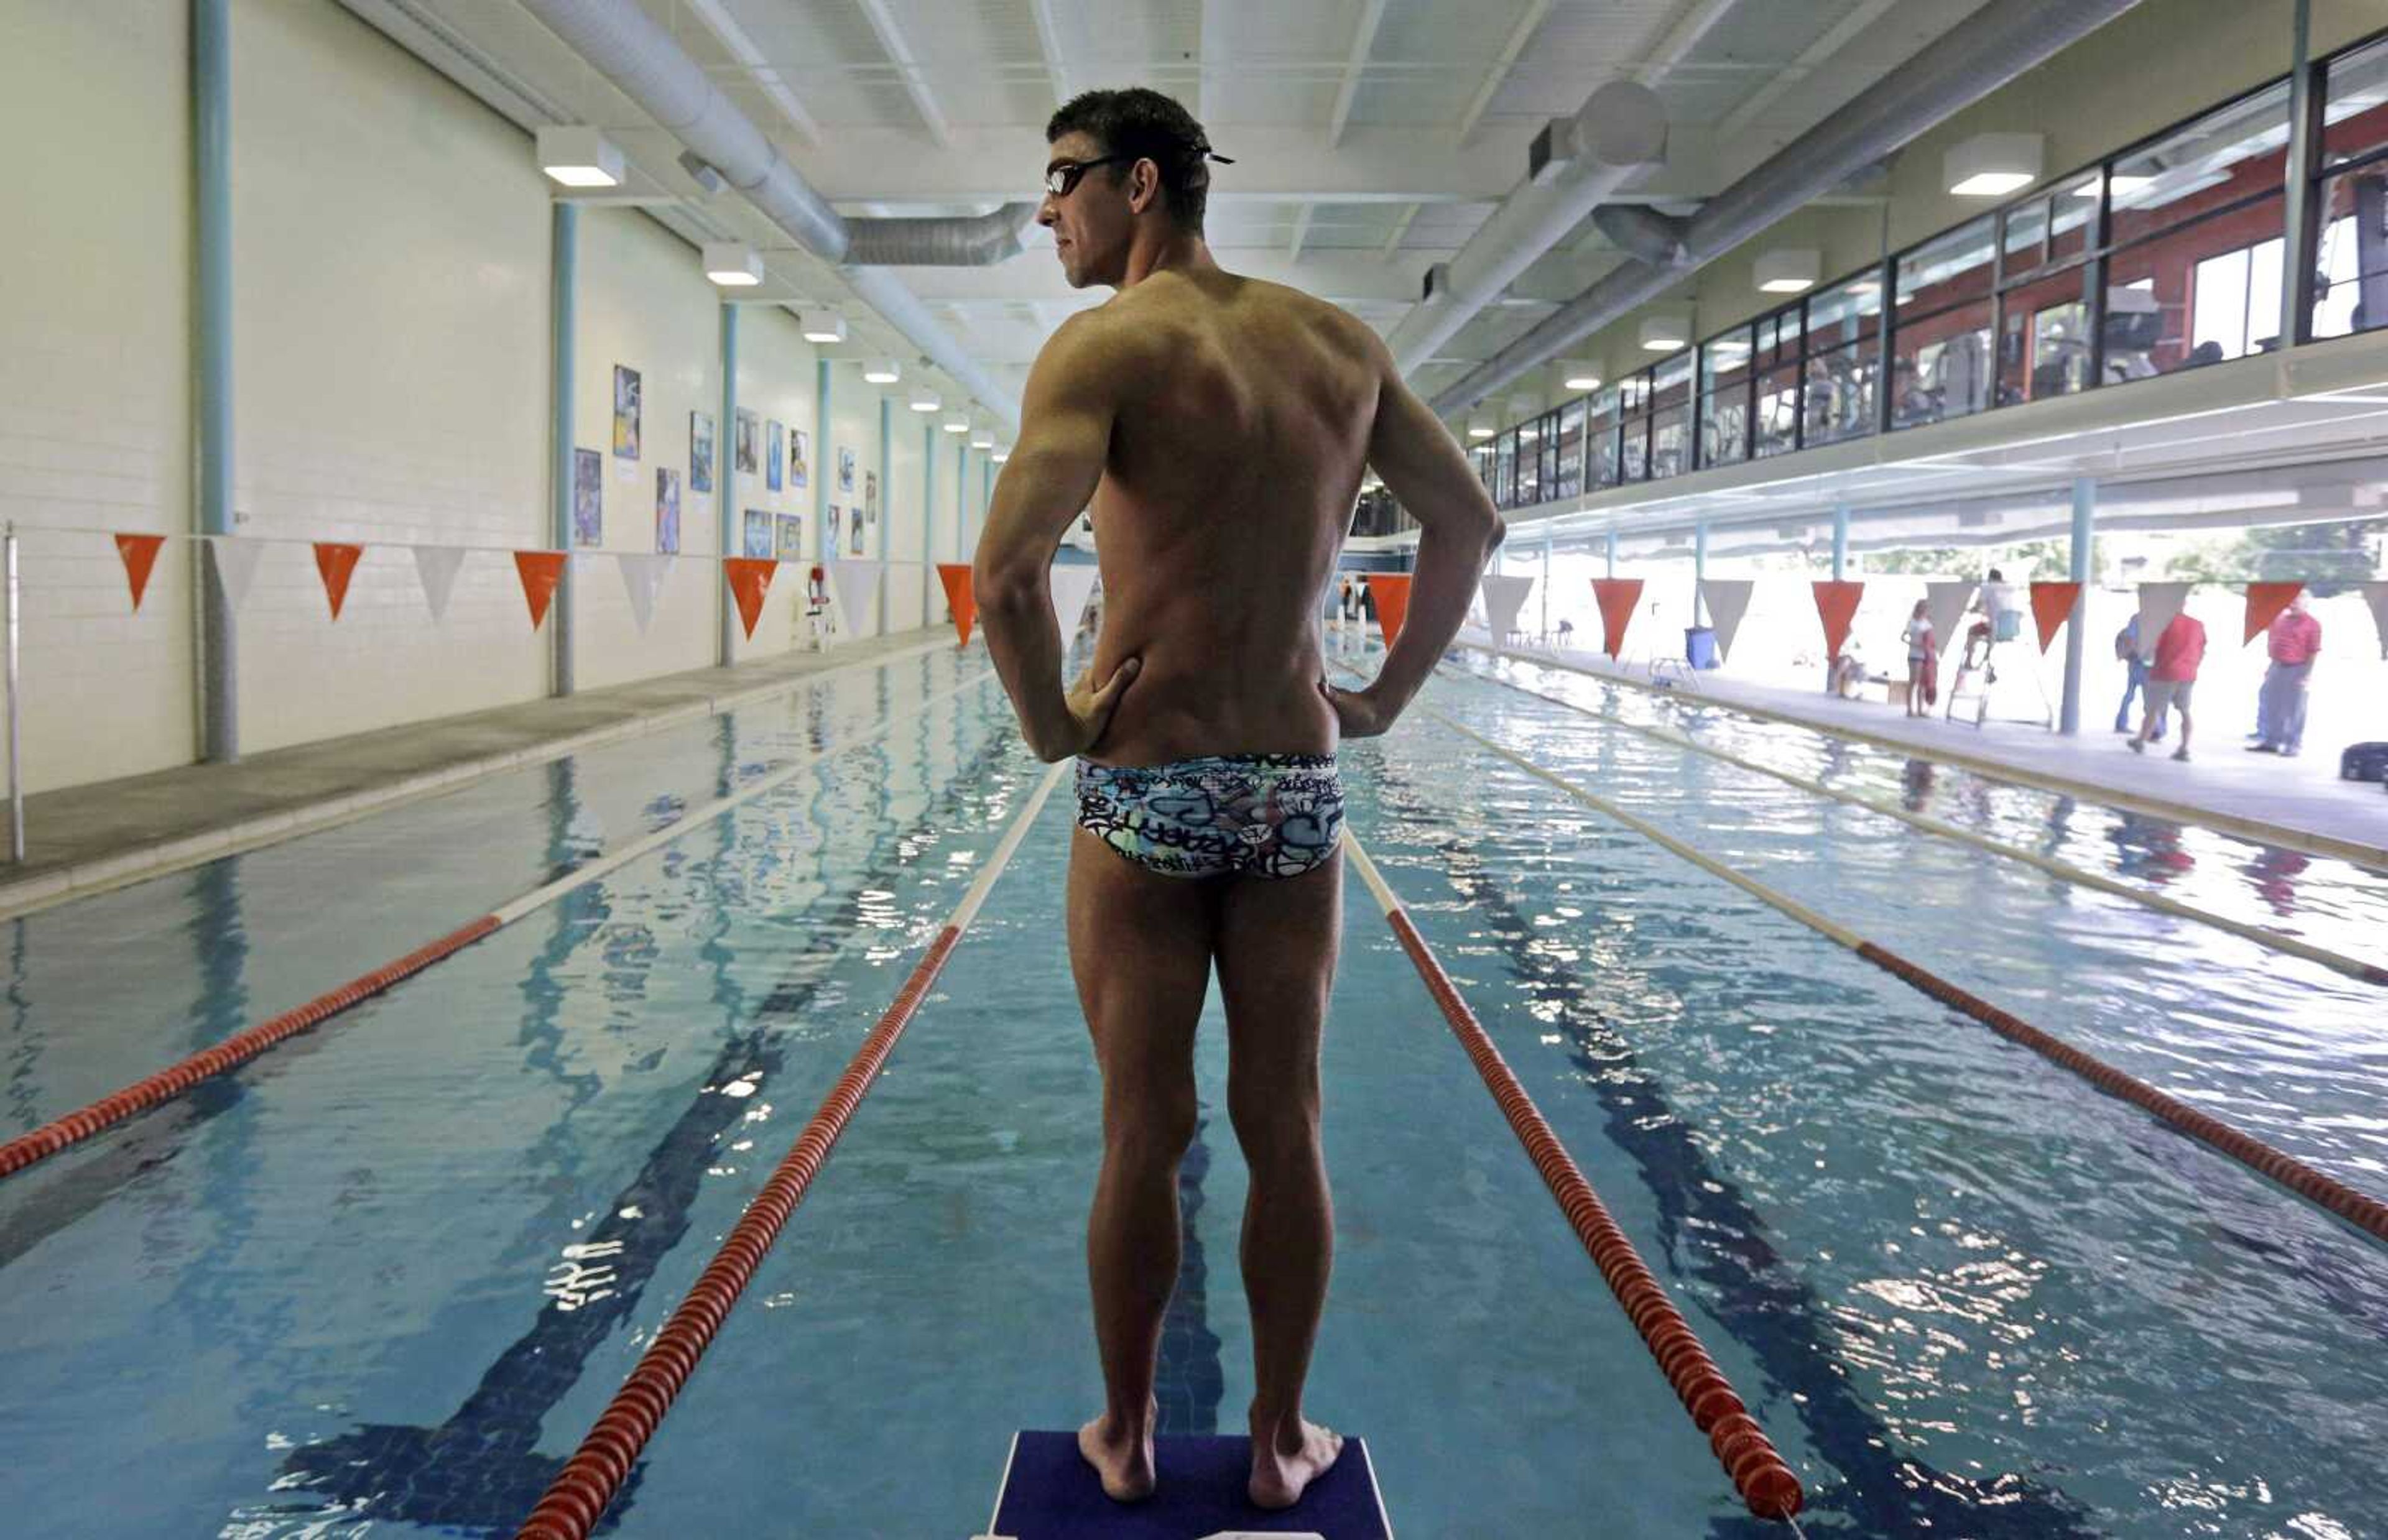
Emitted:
<point x="381" y="1281"/>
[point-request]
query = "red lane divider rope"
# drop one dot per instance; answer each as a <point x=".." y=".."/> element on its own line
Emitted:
<point x="1759" y="1473"/>
<point x="172" y="1081"/>
<point x="596" y="1470"/>
<point x="2356" y="1208"/>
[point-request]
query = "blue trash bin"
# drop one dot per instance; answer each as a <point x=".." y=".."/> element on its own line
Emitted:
<point x="1700" y="646"/>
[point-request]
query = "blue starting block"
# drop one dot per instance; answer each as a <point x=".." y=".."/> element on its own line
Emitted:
<point x="1050" y="1493"/>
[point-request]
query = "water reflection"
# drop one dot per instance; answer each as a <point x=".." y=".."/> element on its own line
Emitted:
<point x="2275" y="872"/>
<point x="2147" y="847"/>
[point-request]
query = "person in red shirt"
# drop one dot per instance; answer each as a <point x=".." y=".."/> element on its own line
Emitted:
<point x="2294" y="640"/>
<point x="2178" y="651"/>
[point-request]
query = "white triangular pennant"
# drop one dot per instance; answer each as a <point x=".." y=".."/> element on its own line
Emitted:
<point x="1073" y="586"/>
<point x="1505" y="595"/>
<point x="235" y="563"/>
<point x="2376" y="595"/>
<point x="1944" y="605"/>
<point x="643" y="575"/>
<point x="856" y="585"/>
<point x="435" y="565"/>
<point x="1728" y="600"/>
<point x="2158" y="604"/>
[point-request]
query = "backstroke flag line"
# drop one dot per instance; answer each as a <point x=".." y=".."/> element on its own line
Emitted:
<point x="856" y="584"/>
<point x="642" y="578"/>
<point x="1618" y="596"/>
<point x="2158" y="604"/>
<point x="1944" y="605"/>
<point x="435" y="566"/>
<point x="234" y="560"/>
<point x="1837" y="605"/>
<point x="1073" y="586"/>
<point x="2052" y="606"/>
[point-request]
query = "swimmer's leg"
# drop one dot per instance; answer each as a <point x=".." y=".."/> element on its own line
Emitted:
<point x="1276" y="948"/>
<point x="1140" y="949"/>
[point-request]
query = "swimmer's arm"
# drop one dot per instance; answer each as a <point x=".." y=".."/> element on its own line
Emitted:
<point x="1424" y="467"/>
<point x="1065" y="430"/>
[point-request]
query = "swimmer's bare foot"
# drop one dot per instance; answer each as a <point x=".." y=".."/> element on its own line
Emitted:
<point x="1121" y="1456"/>
<point x="1283" y="1465"/>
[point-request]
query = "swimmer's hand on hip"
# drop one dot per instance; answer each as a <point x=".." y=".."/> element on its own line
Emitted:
<point x="1090" y="710"/>
<point x="1361" y="712"/>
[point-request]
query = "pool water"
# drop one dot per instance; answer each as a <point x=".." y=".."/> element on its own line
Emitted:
<point x="380" y="1282"/>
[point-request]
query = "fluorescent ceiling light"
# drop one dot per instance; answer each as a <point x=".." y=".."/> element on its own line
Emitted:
<point x="1582" y="377"/>
<point x="1663" y="333"/>
<point x="957" y="424"/>
<point x="1480" y="427"/>
<point x="1991" y="165"/>
<point x="982" y="441"/>
<point x="1787" y="271"/>
<point x="1000" y="455"/>
<point x="577" y="156"/>
<point x="824" y="326"/>
<point x="882" y="372"/>
<point x="732" y="264"/>
<point x="925" y="400"/>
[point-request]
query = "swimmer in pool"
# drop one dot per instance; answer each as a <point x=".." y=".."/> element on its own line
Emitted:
<point x="1219" y="426"/>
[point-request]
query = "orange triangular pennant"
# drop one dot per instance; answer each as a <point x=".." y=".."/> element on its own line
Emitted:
<point x="2052" y="605"/>
<point x="541" y="571"/>
<point x="334" y="562"/>
<point x="956" y="575"/>
<point x="1837" y="605"/>
<point x="2264" y="602"/>
<point x="139" y="553"/>
<point x="1618" y="596"/>
<point x="1391" y="592"/>
<point x="750" y="579"/>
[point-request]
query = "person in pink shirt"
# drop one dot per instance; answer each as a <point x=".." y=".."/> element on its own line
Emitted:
<point x="2178" y="651"/>
<point x="2294" y="640"/>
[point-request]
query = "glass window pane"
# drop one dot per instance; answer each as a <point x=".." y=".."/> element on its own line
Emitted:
<point x="1778" y="337"/>
<point x="1600" y="430"/>
<point x="1724" y="399"/>
<point x="1570" y="451"/>
<point x="2230" y="155"/>
<point x="2073" y="217"/>
<point x="1840" y="397"/>
<point x="1941" y="365"/>
<point x="2355" y="106"/>
<point x="2024" y="235"/>
<point x="2161" y="294"/>
<point x="2351" y="267"/>
<point x="1529" y="465"/>
<point x="1670" y="439"/>
<point x="1776" y="427"/>
<point x="1672" y="380"/>
<point x="1947" y="268"/>
<point x="2045" y="348"/>
<point x="1505" y="470"/>
<point x="1634" y="457"/>
<point x="1846" y="312"/>
<point x="1550" y="454"/>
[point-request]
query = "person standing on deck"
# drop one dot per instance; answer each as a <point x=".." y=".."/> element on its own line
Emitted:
<point x="2179" y="649"/>
<point x="2293" y="641"/>
<point x="1220" y="426"/>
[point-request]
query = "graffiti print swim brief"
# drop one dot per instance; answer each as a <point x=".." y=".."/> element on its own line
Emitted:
<point x="1251" y="814"/>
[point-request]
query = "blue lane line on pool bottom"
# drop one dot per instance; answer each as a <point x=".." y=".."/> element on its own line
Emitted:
<point x="481" y="1470"/>
<point x="1190" y="1382"/>
<point x="1757" y="1297"/>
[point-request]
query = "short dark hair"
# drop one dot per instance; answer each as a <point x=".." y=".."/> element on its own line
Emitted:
<point x="1147" y="126"/>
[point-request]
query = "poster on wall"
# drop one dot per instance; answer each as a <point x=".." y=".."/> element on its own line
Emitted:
<point x="588" y="498"/>
<point x="748" y="426"/>
<point x="830" y="531"/>
<point x="666" y="510"/>
<point x="700" y="452"/>
<point x="844" y="470"/>
<point x="855" y="532"/>
<point x="626" y="413"/>
<point x="800" y="459"/>
<point x="758" y="533"/>
<point x="792" y="537"/>
<point x="871" y="499"/>
<point x="771" y="436"/>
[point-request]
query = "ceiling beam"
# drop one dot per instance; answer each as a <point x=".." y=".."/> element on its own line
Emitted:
<point x="1211" y="59"/>
<point x="1400" y="228"/>
<point x="1520" y="35"/>
<point x="1301" y="231"/>
<point x="1364" y="43"/>
<point x="1852" y="27"/>
<point x="916" y="82"/>
<point x="742" y="48"/>
<point x="1049" y="43"/>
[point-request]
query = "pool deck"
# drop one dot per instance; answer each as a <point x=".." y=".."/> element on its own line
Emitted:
<point x="2294" y="803"/>
<point x="85" y="839"/>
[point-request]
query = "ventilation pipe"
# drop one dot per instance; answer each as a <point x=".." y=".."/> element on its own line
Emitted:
<point x="1966" y="63"/>
<point x="1573" y="165"/>
<point x="630" y="48"/>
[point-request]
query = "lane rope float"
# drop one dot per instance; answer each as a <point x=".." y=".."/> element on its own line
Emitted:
<point x="64" y="1132"/>
<point x="580" y="1493"/>
<point x="1759" y="1473"/>
<point x="2358" y="1208"/>
<point x="2263" y="936"/>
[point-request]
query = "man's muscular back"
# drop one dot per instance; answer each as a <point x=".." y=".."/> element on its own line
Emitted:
<point x="1243" y="416"/>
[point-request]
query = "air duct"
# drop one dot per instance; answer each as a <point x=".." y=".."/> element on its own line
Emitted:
<point x="975" y="240"/>
<point x="1643" y="234"/>
<point x="1966" y="63"/>
<point x="634" y="52"/>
